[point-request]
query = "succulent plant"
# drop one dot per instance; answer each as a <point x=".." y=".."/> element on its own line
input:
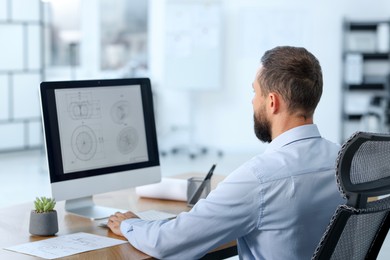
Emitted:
<point x="44" y="204"/>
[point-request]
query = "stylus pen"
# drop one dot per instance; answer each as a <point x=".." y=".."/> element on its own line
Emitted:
<point x="199" y="191"/>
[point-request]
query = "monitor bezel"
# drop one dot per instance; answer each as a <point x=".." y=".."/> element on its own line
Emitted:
<point x="52" y="136"/>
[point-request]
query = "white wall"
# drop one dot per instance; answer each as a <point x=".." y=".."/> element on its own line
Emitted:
<point x="224" y="118"/>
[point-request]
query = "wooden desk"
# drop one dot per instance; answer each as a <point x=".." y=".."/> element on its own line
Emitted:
<point x="14" y="226"/>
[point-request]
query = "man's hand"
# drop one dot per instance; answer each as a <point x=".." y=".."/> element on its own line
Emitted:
<point x="114" y="222"/>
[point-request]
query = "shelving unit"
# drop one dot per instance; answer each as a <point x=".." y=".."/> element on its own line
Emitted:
<point x="366" y="77"/>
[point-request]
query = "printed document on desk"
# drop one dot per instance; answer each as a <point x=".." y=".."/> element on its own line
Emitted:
<point x="66" y="245"/>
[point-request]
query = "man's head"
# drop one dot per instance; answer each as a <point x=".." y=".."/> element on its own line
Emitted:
<point x="288" y="81"/>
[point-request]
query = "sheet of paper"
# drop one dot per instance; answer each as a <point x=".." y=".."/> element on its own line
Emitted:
<point x="66" y="245"/>
<point x="167" y="189"/>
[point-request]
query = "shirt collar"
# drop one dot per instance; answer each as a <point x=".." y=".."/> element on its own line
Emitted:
<point x="293" y="135"/>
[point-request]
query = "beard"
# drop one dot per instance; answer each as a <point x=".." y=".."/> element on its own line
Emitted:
<point x="262" y="127"/>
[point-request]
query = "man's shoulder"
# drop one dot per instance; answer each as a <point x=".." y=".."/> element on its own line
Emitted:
<point x="289" y="161"/>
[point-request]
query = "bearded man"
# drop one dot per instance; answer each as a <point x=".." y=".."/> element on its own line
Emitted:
<point x="278" y="204"/>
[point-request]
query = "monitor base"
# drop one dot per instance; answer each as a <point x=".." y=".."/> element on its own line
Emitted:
<point x="85" y="207"/>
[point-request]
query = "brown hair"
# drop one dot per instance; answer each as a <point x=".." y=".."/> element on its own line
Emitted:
<point x="295" y="74"/>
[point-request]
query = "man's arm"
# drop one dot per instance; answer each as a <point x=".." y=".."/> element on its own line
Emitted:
<point x="114" y="222"/>
<point x="229" y="212"/>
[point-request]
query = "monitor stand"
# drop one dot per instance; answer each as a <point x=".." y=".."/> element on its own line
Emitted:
<point x="85" y="207"/>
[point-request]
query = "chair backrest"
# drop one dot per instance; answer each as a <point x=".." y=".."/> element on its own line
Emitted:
<point x="358" y="228"/>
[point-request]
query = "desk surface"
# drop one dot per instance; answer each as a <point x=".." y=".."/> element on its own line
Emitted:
<point x="14" y="224"/>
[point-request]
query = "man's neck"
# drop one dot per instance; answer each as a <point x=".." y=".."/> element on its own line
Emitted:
<point x="282" y="124"/>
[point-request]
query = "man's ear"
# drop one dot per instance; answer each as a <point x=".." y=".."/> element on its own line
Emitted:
<point x="273" y="102"/>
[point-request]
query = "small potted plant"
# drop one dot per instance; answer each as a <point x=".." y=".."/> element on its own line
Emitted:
<point x="43" y="220"/>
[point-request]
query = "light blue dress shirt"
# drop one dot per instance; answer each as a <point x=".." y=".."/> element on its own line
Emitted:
<point x="277" y="205"/>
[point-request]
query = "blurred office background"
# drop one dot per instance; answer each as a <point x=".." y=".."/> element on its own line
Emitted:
<point x="201" y="56"/>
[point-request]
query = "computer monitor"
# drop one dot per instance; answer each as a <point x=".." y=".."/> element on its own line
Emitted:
<point x="100" y="136"/>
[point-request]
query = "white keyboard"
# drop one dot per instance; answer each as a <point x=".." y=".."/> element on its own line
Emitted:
<point x="145" y="215"/>
<point x="155" y="215"/>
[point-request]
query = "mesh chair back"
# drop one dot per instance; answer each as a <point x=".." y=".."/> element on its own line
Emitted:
<point x="357" y="230"/>
<point x="363" y="167"/>
<point x="371" y="162"/>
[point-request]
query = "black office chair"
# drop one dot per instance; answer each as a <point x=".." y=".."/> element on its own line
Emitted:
<point x="358" y="228"/>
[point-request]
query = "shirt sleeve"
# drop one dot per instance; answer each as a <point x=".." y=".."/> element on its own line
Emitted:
<point x="229" y="212"/>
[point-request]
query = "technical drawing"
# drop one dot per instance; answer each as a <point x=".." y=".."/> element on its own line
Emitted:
<point x="127" y="140"/>
<point x="52" y="249"/>
<point x="81" y="106"/>
<point x="80" y="110"/>
<point x="120" y="111"/>
<point x="84" y="143"/>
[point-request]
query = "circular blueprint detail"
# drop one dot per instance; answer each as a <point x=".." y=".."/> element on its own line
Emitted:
<point x="84" y="143"/>
<point x="127" y="140"/>
<point x="120" y="111"/>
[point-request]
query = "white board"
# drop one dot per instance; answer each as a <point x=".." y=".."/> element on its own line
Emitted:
<point x="193" y="45"/>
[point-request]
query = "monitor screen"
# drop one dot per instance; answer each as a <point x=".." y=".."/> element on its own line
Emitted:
<point x="100" y="136"/>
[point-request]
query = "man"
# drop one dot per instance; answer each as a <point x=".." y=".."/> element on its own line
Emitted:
<point x="278" y="204"/>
